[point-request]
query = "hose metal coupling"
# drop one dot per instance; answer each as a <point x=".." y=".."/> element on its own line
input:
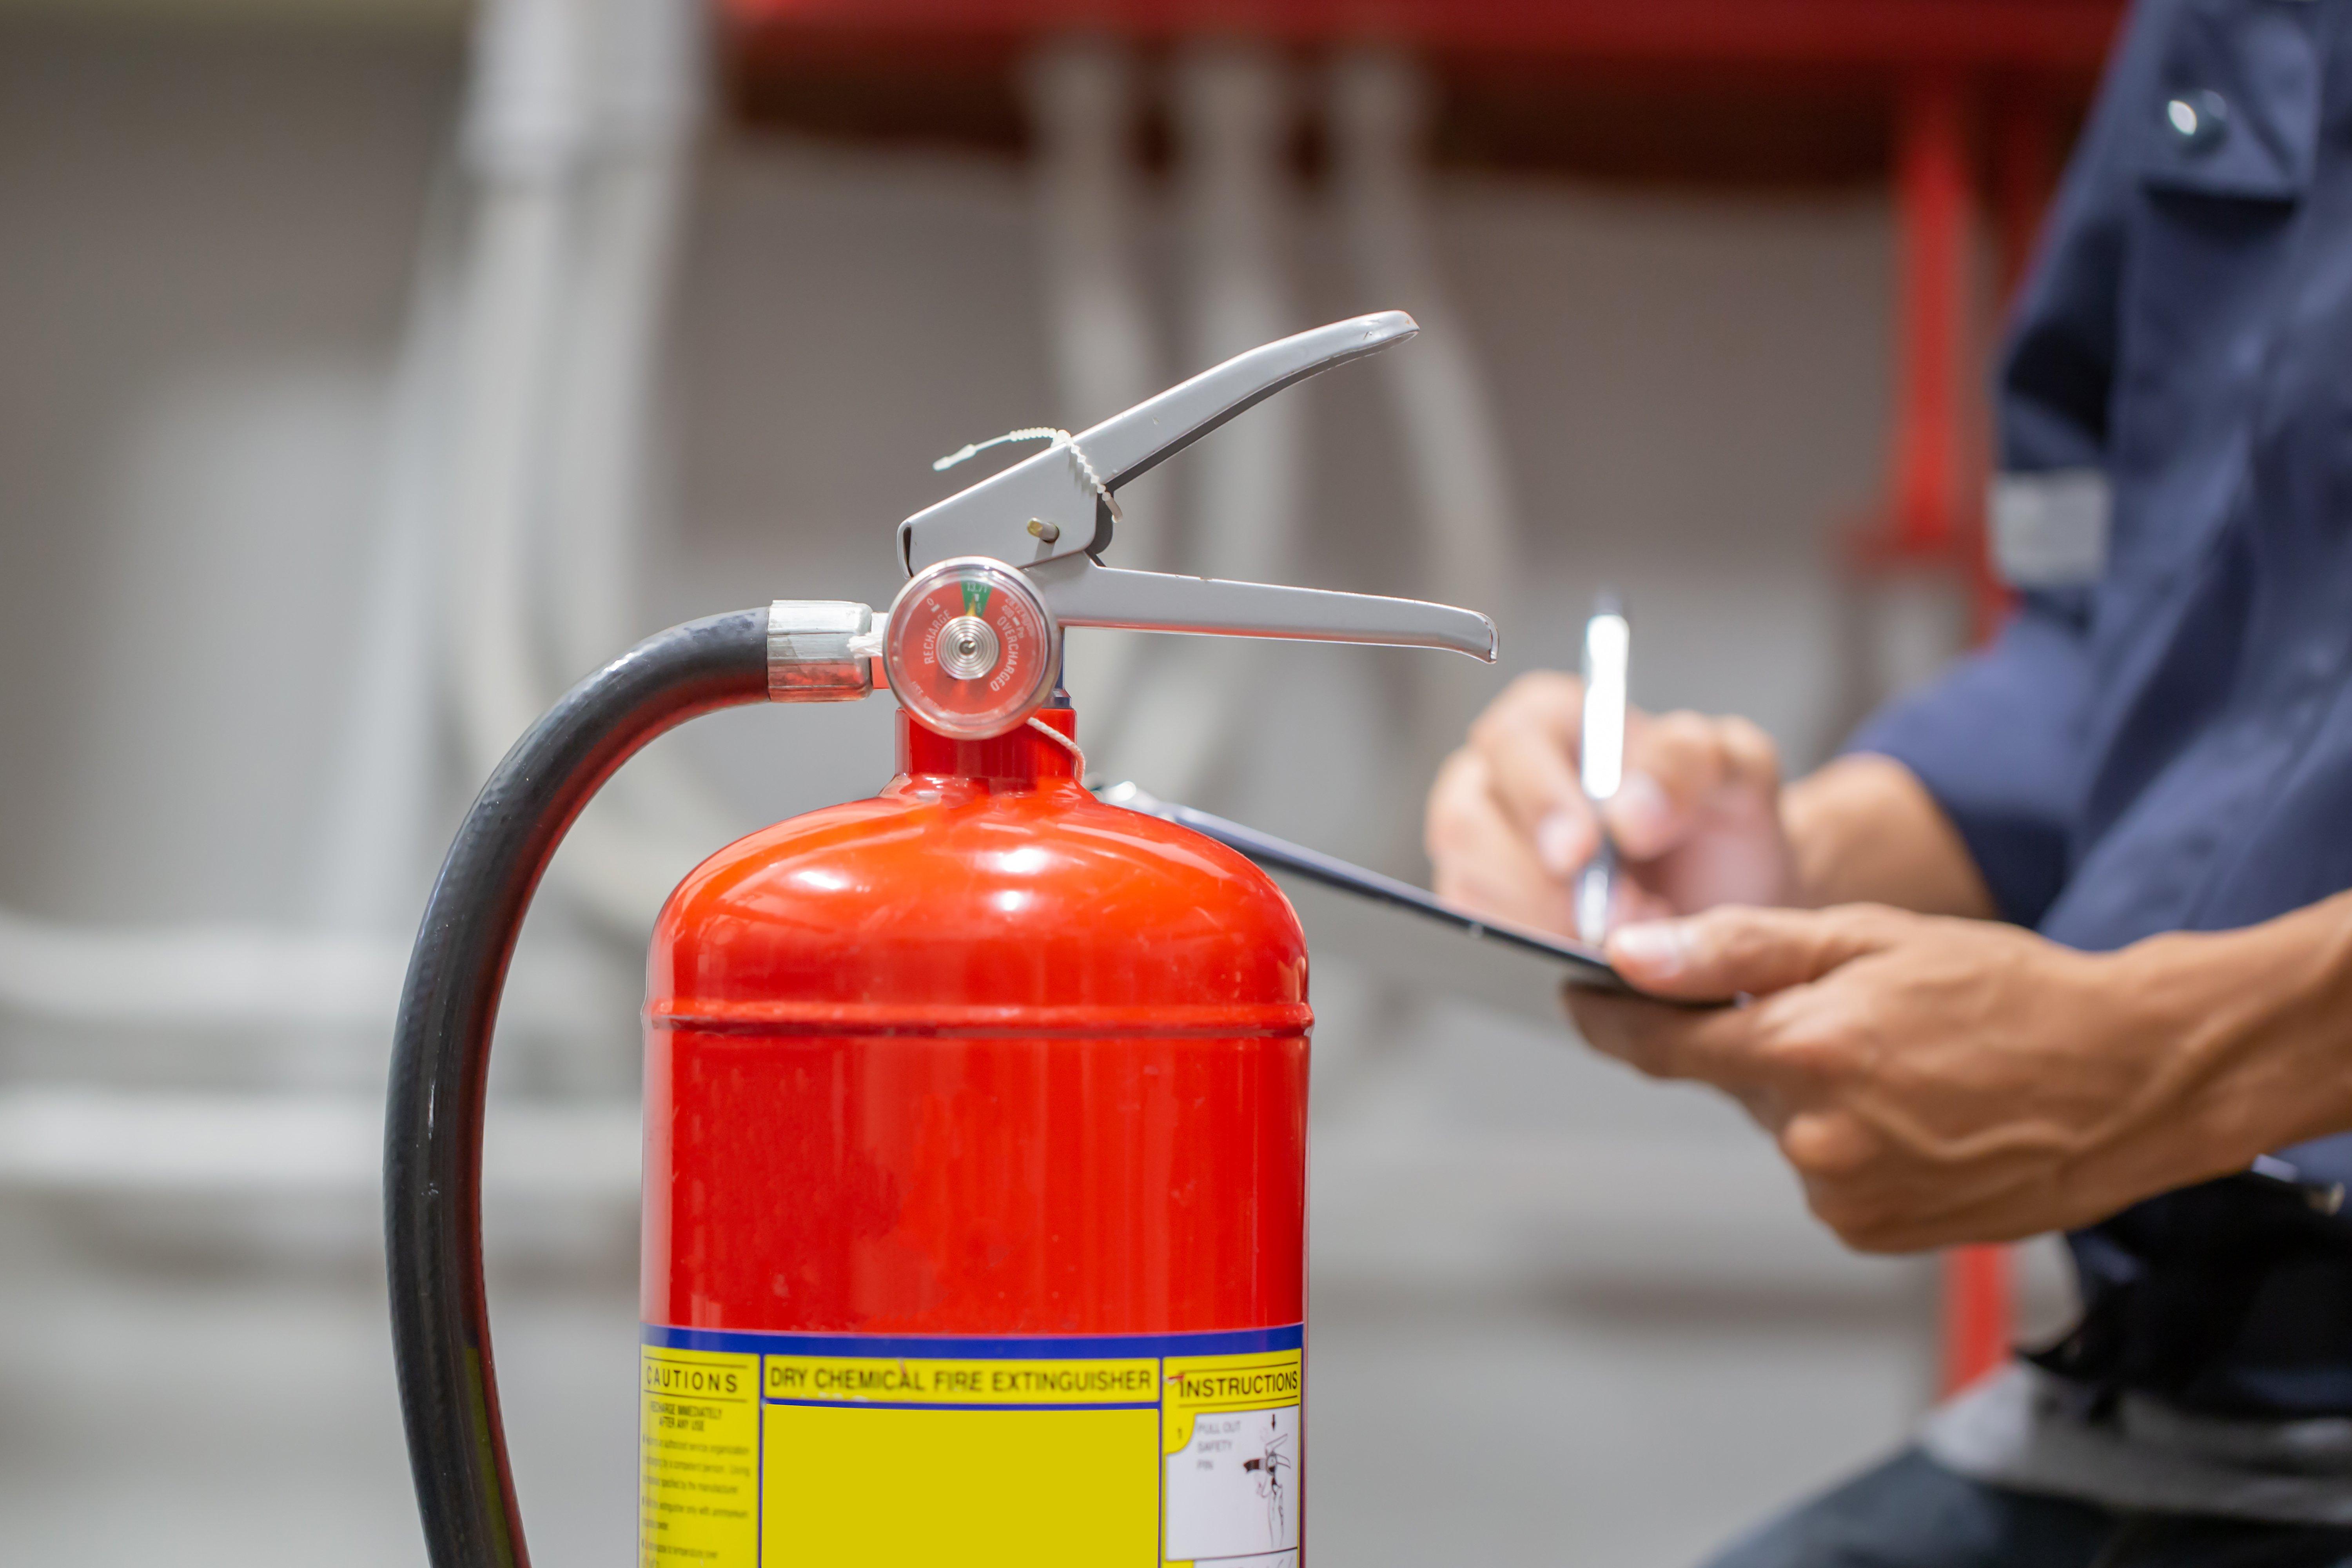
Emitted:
<point x="820" y="650"/>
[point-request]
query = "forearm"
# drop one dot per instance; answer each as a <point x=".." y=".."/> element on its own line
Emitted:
<point x="1863" y="829"/>
<point x="2259" y="1025"/>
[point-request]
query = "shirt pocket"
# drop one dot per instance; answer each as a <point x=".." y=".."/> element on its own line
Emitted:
<point x="2226" y="139"/>
<point x="2235" y="113"/>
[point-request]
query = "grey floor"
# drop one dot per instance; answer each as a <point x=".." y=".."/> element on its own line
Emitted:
<point x="1522" y="1430"/>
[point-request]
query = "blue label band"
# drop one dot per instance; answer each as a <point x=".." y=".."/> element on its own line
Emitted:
<point x="978" y="1347"/>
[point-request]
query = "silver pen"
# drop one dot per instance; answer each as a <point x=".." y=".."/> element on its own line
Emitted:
<point x="1601" y="756"/>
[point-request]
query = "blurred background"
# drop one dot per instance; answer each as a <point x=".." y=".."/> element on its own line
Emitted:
<point x="370" y="369"/>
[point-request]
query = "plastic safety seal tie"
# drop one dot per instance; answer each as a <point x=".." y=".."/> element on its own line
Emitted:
<point x="1077" y="757"/>
<point x="1038" y="433"/>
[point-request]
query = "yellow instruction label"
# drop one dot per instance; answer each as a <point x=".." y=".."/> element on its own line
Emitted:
<point x="698" y="1499"/>
<point x="1229" y="1430"/>
<point x="770" y="1450"/>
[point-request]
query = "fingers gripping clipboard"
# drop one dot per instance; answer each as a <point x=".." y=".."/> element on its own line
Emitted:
<point x="1583" y="966"/>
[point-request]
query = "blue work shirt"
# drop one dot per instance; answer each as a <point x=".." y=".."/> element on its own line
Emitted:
<point x="2164" y="741"/>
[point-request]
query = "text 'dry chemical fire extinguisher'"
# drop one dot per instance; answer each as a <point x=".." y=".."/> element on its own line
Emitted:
<point x="975" y="1112"/>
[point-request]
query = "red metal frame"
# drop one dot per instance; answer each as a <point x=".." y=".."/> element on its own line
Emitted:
<point x="1935" y="514"/>
<point x="2064" y="35"/>
<point x="1934" y="435"/>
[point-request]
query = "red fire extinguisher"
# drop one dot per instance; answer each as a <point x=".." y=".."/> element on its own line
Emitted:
<point x="975" y="1112"/>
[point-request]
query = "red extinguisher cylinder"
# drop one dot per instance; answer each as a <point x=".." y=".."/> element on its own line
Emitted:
<point x="974" y="1184"/>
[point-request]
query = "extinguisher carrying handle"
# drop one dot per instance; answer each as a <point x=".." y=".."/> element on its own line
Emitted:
<point x="441" y="1052"/>
<point x="1051" y="516"/>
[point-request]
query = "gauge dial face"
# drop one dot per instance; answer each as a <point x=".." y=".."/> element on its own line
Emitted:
<point x="971" y="648"/>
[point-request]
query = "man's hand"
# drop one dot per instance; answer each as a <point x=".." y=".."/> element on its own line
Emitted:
<point x="1935" y="1082"/>
<point x="1697" y="819"/>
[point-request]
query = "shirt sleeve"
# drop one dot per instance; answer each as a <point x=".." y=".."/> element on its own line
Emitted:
<point x="1994" y="739"/>
<point x="1997" y="739"/>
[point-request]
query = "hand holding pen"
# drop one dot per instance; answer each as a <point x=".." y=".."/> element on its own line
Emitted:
<point x="1691" y="818"/>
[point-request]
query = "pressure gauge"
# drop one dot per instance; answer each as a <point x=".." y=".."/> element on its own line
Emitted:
<point x="972" y="649"/>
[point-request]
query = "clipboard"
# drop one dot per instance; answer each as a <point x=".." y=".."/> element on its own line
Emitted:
<point x="1584" y="966"/>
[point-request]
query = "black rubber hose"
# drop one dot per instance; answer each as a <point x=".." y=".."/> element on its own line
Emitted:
<point x="441" y="1054"/>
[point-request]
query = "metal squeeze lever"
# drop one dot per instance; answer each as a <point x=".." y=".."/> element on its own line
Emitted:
<point x="1052" y="516"/>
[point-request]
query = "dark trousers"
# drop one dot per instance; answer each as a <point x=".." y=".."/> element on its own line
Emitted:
<point x="1911" y="1513"/>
